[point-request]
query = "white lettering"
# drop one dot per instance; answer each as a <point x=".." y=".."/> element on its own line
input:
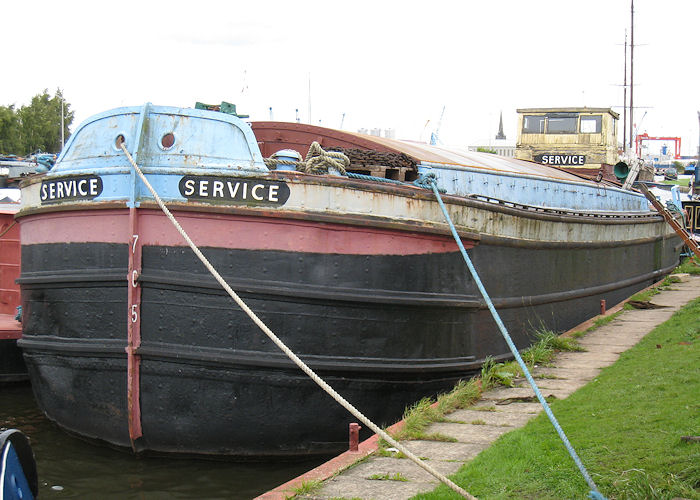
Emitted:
<point x="563" y="159"/>
<point x="254" y="190"/>
<point x="62" y="189"/>
<point x="189" y="187"/>
<point x="69" y="186"/>
<point x="234" y="190"/>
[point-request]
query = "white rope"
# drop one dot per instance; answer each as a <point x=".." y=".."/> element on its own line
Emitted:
<point x="345" y="404"/>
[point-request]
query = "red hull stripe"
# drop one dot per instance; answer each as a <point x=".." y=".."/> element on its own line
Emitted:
<point x="230" y="231"/>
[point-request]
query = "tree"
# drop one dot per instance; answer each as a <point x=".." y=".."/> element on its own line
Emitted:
<point x="482" y="149"/>
<point x="40" y="122"/>
<point x="10" y="142"/>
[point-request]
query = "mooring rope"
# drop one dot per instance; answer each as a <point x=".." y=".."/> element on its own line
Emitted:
<point x="317" y="161"/>
<point x="342" y="401"/>
<point x="594" y="494"/>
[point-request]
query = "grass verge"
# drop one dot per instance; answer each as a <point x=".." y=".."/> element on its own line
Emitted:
<point x="467" y="392"/>
<point x="307" y="487"/>
<point x="689" y="265"/>
<point x="626" y="426"/>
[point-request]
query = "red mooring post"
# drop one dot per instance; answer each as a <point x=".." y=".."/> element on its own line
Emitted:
<point x="602" y="307"/>
<point x="354" y="436"/>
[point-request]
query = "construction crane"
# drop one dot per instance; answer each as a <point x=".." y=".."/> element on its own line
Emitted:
<point x="435" y="136"/>
<point x="645" y="137"/>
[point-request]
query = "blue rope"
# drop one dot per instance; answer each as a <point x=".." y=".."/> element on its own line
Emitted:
<point x="373" y="178"/>
<point x="594" y="494"/>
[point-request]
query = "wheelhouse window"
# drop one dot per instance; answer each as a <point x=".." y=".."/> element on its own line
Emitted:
<point x="533" y="124"/>
<point x="591" y="124"/>
<point x="561" y="123"/>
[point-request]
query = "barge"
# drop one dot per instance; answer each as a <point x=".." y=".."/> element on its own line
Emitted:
<point x="129" y="340"/>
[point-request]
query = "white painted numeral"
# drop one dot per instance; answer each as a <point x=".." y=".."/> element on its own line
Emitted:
<point x="136" y="238"/>
<point x="134" y="314"/>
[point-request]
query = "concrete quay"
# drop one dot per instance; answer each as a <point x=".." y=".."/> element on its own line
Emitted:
<point x="348" y="475"/>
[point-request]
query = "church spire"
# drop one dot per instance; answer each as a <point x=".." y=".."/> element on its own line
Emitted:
<point x="500" y="135"/>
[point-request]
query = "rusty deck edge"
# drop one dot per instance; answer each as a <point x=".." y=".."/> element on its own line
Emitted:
<point x="338" y="464"/>
<point x="10" y="329"/>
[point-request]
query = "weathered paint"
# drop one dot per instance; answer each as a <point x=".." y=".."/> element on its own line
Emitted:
<point x="9" y="261"/>
<point x="134" y="329"/>
<point x="12" y="367"/>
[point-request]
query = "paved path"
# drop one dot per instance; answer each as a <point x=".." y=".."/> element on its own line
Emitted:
<point x="476" y="429"/>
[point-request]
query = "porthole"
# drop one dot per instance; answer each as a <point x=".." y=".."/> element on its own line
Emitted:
<point x="167" y="141"/>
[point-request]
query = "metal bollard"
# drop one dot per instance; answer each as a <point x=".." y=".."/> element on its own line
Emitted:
<point x="602" y="307"/>
<point x="354" y="436"/>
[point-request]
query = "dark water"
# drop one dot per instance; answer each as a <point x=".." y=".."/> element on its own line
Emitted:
<point x="71" y="468"/>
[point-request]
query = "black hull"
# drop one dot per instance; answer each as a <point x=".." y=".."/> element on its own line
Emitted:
<point x="391" y="329"/>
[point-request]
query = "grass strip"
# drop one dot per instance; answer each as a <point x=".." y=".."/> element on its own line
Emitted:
<point x="689" y="265"/>
<point x="426" y="411"/>
<point x="308" y="487"/>
<point x="626" y="426"/>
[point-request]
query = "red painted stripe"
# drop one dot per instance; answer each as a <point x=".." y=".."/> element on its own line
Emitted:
<point x="231" y="231"/>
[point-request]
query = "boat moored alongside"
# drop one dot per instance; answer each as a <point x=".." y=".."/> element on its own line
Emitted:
<point x="129" y="340"/>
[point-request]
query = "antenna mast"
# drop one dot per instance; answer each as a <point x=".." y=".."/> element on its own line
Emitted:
<point x="624" y="103"/>
<point x="631" y="72"/>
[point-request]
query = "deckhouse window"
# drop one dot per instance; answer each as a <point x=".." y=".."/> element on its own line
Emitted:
<point x="533" y="124"/>
<point x="561" y="123"/>
<point x="591" y="124"/>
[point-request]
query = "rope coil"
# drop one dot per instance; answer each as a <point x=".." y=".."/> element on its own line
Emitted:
<point x="318" y="161"/>
<point x="278" y="342"/>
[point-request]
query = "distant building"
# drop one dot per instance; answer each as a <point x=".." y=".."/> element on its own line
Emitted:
<point x="388" y="133"/>
<point x="580" y="140"/>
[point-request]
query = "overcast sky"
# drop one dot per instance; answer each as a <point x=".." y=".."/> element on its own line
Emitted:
<point x="382" y="64"/>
